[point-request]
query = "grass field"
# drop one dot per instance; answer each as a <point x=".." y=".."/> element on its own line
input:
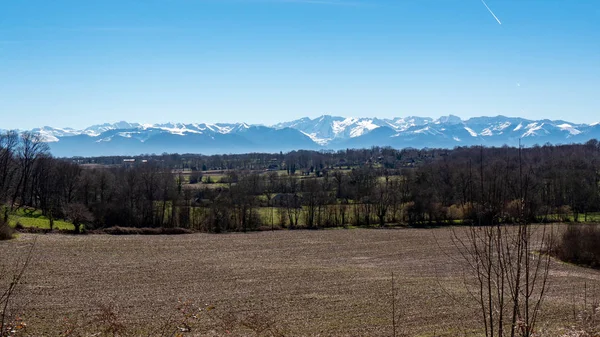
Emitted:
<point x="28" y="218"/>
<point x="591" y="217"/>
<point x="307" y="283"/>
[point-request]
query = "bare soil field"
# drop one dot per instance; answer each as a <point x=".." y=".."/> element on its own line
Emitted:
<point x="299" y="283"/>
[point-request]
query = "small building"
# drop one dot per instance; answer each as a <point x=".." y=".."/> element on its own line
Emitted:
<point x="128" y="162"/>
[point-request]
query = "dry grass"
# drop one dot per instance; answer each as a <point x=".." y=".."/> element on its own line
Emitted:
<point x="307" y="283"/>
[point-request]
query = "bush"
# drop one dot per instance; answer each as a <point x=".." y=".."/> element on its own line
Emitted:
<point x="580" y="244"/>
<point x="6" y="232"/>
<point x="195" y="178"/>
<point x="143" y="231"/>
<point x="266" y="228"/>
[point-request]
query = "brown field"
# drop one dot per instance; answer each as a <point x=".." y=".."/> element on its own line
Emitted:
<point x="301" y="283"/>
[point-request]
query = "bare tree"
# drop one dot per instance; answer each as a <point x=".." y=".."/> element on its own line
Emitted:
<point x="30" y="148"/>
<point x="79" y="215"/>
<point x="8" y="146"/>
<point x="269" y="185"/>
<point x="382" y="200"/>
<point x="508" y="265"/>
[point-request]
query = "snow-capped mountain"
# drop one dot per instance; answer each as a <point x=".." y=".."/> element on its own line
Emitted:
<point x="325" y="132"/>
<point x="326" y="129"/>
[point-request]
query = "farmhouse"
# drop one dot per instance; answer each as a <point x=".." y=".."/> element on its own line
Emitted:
<point x="128" y="162"/>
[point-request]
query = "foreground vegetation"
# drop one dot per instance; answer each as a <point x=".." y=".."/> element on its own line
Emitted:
<point x="580" y="244"/>
<point x="6" y="231"/>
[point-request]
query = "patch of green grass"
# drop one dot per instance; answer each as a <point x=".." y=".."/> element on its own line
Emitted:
<point x="214" y="177"/>
<point x="28" y="212"/>
<point x="591" y="217"/>
<point x="34" y="218"/>
<point x="265" y="214"/>
<point x="216" y="185"/>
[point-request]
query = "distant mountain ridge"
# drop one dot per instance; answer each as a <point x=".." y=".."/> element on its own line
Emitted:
<point x="324" y="132"/>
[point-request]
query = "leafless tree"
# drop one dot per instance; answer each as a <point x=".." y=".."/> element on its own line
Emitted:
<point x="79" y="215"/>
<point x="31" y="147"/>
<point x="509" y="266"/>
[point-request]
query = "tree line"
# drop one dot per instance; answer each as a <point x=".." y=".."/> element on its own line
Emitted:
<point x="303" y="189"/>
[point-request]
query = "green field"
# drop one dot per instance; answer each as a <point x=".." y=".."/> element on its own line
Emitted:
<point x="591" y="217"/>
<point x="34" y="218"/>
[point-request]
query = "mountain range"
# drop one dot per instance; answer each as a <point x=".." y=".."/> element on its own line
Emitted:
<point x="325" y="132"/>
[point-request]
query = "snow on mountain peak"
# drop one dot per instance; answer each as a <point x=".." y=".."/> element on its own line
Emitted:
<point x="502" y="126"/>
<point x="423" y="130"/>
<point x="450" y="119"/>
<point x="316" y="139"/>
<point x="487" y="132"/>
<point x="362" y="127"/>
<point x="47" y="136"/>
<point x="519" y="127"/>
<point x="532" y="129"/>
<point x="405" y="123"/>
<point x="470" y="131"/>
<point x="339" y="127"/>
<point x="569" y="128"/>
<point x="96" y="130"/>
<point x="177" y="129"/>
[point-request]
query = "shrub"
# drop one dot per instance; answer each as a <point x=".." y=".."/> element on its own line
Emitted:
<point x="266" y="228"/>
<point x="454" y="212"/>
<point x="6" y="232"/>
<point x="196" y="178"/>
<point x="143" y="231"/>
<point x="80" y="215"/>
<point x="580" y="244"/>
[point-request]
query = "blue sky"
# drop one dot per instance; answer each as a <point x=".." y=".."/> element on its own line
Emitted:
<point x="76" y="63"/>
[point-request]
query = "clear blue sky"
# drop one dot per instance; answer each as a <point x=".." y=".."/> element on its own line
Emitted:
<point x="81" y="62"/>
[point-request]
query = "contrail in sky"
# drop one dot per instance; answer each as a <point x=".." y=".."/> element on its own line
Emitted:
<point x="488" y="8"/>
